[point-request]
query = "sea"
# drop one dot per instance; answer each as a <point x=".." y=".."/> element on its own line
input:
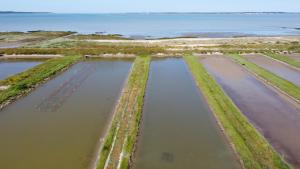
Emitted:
<point x="157" y="25"/>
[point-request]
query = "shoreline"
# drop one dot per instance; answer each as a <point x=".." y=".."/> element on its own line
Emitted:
<point x="119" y="147"/>
<point x="195" y="39"/>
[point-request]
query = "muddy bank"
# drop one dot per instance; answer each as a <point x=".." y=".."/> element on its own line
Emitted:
<point x="9" y="68"/>
<point x="274" y="115"/>
<point x="276" y="67"/>
<point x="178" y="130"/>
<point x="60" y="123"/>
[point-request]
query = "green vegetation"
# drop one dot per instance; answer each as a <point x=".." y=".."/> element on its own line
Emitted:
<point x="98" y="37"/>
<point x="89" y="50"/>
<point x="32" y="36"/>
<point x="176" y="37"/>
<point x="252" y="148"/>
<point x="78" y="44"/>
<point x="251" y="47"/>
<point x="78" y="40"/>
<point x="70" y="44"/>
<point x="285" y="59"/>
<point x="225" y="50"/>
<point x="284" y="85"/>
<point x="20" y="83"/>
<point x="119" y="142"/>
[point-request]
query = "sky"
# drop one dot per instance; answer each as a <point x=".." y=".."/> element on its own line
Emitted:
<point x="120" y="6"/>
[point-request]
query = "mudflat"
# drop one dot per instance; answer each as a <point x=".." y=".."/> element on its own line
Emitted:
<point x="275" y="116"/>
<point x="276" y="67"/>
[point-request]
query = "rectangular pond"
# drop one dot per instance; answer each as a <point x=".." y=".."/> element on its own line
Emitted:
<point x="9" y="68"/>
<point x="295" y="56"/>
<point x="178" y="130"/>
<point x="274" y="115"/>
<point x="59" y="125"/>
<point x="287" y="72"/>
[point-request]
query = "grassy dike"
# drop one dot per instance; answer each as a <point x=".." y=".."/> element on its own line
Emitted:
<point x="285" y="59"/>
<point x="253" y="150"/>
<point x="85" y="48"/>
<point x="288" y="87"/>
<point x="119" y="142"/>
<point x="23" y="82"/>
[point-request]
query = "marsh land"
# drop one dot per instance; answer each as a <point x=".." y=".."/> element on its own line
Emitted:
<point x="108" y="101"/>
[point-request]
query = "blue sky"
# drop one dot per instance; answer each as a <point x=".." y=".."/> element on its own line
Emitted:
<point x="108" y="6"/>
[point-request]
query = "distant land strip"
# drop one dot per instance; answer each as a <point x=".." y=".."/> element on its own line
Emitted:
<point x="19" y="12"/>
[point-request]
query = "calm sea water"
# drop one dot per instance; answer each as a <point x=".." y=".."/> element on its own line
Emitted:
<point x="158" y="25"/>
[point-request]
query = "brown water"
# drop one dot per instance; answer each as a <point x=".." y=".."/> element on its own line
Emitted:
<point x="9" y="68"/>
<point x="178" y="130"/>
<point x="276" y="118"/>
<point x="280" y="69"/>
<point x="59" y="125"/>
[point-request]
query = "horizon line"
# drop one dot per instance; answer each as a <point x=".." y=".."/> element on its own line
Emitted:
<point x="167" y="12"/>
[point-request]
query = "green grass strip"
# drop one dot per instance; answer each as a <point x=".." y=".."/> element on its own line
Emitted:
<point x="285" y="59"/>
<point x="131" y="140"/>
<point x="21" y="82"/>
<point x="85" y="48"/>
<point x="125" y="125"/>
<point x="252" y="148"/>
<point x="282" y="84"/>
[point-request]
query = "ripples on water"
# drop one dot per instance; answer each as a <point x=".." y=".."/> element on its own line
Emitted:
<point x="57" y="98"/>
<point x="158" y="24"/>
